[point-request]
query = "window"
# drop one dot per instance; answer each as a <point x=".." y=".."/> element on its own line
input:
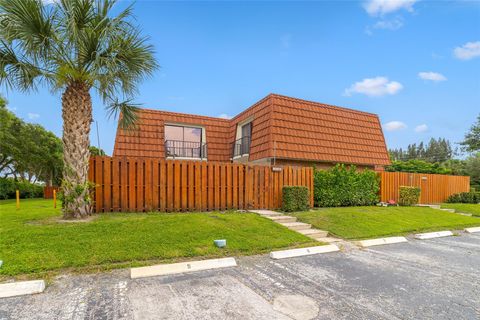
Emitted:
<point x="241" y="146"/>
<point x="185" y="142"/>
<point x="179" y="133"/>
<point x="247" y="130"/>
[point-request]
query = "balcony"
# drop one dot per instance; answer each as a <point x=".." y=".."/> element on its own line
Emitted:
<point x="185" y="149"/>
<point x="241" y="147"/>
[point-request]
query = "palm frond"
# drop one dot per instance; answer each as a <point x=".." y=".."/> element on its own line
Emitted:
<point x="127" y="111"/>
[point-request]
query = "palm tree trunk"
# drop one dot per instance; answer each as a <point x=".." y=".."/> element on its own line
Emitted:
<point x="77" y="116"/>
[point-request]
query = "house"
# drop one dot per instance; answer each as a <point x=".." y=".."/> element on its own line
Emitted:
<point x="277" y="130"/>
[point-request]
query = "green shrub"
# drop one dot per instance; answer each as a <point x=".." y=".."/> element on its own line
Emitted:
<point x="295" y="198"/>
<point x="464" y="197"/>
<point x="409" y="196"/>
<point x="8" y="186"/>
<point x="417" y="166"/>
<point x="341" y="186"/>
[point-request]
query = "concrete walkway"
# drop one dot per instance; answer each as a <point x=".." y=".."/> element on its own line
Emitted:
<point x="438" y="207"/>
<point x="300" y="227"/>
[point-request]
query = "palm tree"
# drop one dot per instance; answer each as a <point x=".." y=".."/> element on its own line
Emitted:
<point x="75" y="46"/>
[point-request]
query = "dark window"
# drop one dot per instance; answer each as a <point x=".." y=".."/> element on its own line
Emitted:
<point x="247" y="130"/>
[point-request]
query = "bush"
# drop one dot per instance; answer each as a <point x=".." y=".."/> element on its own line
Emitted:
<point x="8" y="186"/>
<point x="409" y="196"/>
<point x="417" y="166"/>
<point x="342" y="186"/>
<point x="464" y="197"/>
<point x="295" y="198"/>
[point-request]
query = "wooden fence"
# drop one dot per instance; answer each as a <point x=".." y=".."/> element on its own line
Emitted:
<point x="435" y="188"/>
<point x="131" y="184"/>
<point x="48" y="192"/>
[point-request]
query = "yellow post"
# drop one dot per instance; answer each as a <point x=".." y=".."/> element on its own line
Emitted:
<point x="54" y="198"/>
<point x="17" y="193"/>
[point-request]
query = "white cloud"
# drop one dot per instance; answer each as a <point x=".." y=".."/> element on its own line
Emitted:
<point x="393" y="24"/>
<point x="432" y="76"/>
<point x="382" y="7"/>
<point x="421" y="128"/>
<point x="374" y="87"/>
<point x="33" y="116"/>
<point x="394" y="126"/>
<point x="12" y="108"/>
<point x="225" y="116"/>
<point x="468" y="51"/>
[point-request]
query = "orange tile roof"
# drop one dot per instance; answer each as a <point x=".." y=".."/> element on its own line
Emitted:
<point x="283" y="127"/>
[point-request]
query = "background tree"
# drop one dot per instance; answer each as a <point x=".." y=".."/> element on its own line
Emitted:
<point x="472" y="138"/>
<point x="437" y="150"/>
<point x="94" y="151"/>
<point x="28" y="151"/>
<point x="75" y="46"/>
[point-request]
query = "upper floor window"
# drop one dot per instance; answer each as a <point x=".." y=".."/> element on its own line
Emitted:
<point x="184" y="142"/>
<point x="241" y="146"/>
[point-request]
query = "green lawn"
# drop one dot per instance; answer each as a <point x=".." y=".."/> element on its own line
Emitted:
<point x="33" y="241"/>
<point x="464" y="207"/>
<point x="372" y="222"/>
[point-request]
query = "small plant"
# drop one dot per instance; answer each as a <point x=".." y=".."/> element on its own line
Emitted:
<point x="409" y="195"/>
<point x="295" y="198"/>
<point x="464" y="197"/>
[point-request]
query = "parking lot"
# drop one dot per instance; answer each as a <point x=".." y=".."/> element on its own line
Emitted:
<point x="421" y="279"/>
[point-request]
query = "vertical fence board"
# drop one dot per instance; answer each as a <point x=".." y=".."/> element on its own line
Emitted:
<point x="98" y="184"/>
<point x="170" y="205"/>
<point x="155" y="186"/>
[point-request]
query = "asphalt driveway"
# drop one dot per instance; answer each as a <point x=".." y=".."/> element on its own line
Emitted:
<point x="429" y="279"/>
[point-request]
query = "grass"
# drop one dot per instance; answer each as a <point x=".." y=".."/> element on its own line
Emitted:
<point x="474" y="209"/>
<point x="33" y="241"/>
<point x="373" y="222"/>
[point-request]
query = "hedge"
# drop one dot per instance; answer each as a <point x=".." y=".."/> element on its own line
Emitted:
<point x="409" y="195"/>
<point x="8" y="186"/>
<point x="295" y="198"/>
<point x="464" y="197"/>
<point x="343" y="186"/>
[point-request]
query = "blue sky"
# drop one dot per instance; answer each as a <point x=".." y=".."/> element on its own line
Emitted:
<point x="415" y="63"/>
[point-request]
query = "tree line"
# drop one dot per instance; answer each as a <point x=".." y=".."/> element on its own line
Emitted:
<point x="439" y="156"/>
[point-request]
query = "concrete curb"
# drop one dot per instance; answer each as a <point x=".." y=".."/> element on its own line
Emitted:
<point x="431" y="235"/>
<point x="472" y="230"/>
<point x="380" y="241"/>
<point x="303" y="251"/>
<point x="174" y="268"/>
<point x="21" y="288"/>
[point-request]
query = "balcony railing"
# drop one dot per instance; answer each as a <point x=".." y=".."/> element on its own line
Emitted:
<point x="185" y="149"/>
<point x="241" y="147"/>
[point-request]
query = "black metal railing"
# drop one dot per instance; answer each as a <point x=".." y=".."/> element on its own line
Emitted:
<point x="185" y="149"/>
<point x="241" y="146"/>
